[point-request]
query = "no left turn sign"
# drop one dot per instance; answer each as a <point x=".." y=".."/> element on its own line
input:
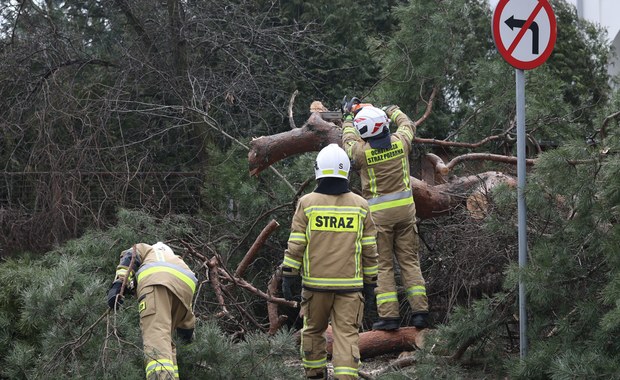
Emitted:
<point x="524" y="32"/>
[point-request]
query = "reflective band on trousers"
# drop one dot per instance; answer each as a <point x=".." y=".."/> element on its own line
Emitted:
<point x="320" y="363"/>
<point x="390" y="200"/>
<point x="345" y="371"/>
<point x="183" y="274"/>
<point x="159" y="365"/>
<point x="416" y="290"/>
<point x="386" y="297"/>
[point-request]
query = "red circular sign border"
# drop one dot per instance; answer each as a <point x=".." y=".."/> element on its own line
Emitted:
<point x="524" y="65"/>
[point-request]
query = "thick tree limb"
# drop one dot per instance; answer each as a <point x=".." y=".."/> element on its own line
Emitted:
<point x="258" y="243"/>
<point x="275" y="319"/>
<point x="486" y="157"/>
<point x="315" y="134"/>
<point x="434" y="201"/>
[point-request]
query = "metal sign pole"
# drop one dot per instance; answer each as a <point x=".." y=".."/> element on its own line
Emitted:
<point x="521" y="143"/>
<point x="512" y="19"/>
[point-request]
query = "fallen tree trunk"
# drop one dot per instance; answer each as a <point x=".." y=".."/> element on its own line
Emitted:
<point x="438" y="200"/>
<point x="431" y="200"/>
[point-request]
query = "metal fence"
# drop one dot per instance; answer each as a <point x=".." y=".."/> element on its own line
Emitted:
<point x="39" y="209"/>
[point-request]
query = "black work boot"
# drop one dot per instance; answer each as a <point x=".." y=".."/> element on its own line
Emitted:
<point x="322" y="375"/>
<point x="420" y="320"/>
<point x="386" y="324"/>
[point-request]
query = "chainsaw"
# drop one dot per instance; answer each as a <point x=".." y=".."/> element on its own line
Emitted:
<point x="352" y="105"/>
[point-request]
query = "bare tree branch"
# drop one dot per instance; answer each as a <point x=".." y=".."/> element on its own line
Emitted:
<point x="291" y="102"/>
<point x="429" y="107"/>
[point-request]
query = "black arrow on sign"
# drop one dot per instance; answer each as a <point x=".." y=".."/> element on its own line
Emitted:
<point x="512" y="22"/>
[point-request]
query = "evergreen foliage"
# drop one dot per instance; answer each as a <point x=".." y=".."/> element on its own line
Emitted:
<point x="54" y="322"/>
<point x="571" y="277"/>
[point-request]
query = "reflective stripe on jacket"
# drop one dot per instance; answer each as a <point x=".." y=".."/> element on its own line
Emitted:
<point x="333" y="242"/>
<point x="159" y="267"/>
<point x="186" y="276"/>
<point x="384" y="172"/>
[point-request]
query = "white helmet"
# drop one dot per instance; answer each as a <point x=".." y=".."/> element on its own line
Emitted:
<point x="332" y="161"/>
<point x="370" y="121"/>
<point x="163" y="247"/>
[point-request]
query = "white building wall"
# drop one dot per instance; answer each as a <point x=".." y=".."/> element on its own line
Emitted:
<point x="603" y="12"/>
<point x="607" y="14"/>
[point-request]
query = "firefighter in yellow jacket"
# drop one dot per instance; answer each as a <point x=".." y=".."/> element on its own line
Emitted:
<point x="332" y="246"/>
<point x="165" y="287"/>
<point x="382" y="159"/>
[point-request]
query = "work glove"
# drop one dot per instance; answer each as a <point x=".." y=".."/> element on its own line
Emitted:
<point x="291" y="288"/>
<point x="347" y="106"/>
<point x="186" y="336"/>
<point x="369" y="293"/>
<point x="115" y="290"/>
<point x="389" y="110"/>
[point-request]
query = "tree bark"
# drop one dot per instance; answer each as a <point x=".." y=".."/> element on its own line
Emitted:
<point x="315" y="134"/>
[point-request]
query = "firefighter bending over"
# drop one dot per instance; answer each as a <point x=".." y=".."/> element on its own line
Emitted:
<point x="165" y="288"/>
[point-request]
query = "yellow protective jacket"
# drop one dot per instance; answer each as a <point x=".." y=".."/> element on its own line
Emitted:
<point x="332" y="243"/>
<point x="158" y="267"/>
<point x="384" y="173"/>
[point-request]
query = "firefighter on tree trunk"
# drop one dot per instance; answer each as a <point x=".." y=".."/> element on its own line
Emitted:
<point x="383" y="162"/>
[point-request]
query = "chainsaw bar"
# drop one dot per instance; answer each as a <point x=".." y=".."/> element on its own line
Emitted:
<point x="331" y="115"/>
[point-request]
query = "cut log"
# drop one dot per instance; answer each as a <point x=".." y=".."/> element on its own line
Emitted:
<point x="375" y="343"/>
